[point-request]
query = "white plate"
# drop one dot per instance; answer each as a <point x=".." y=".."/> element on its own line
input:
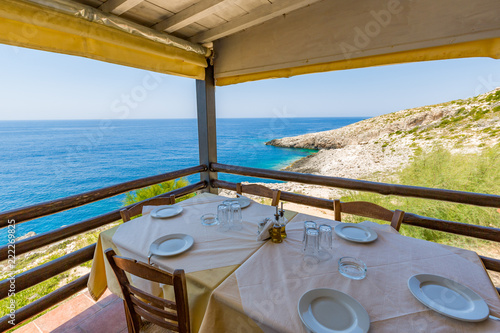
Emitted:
<point x="448" y="297"/>
<point x="170" y="245"/>
<point x="165" y="212"/>
<point x="355" y="232"/>
<point x="243" y="201"/>
<point x="327" y="311"/>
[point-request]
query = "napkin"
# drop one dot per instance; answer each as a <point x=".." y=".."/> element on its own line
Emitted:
<point x="263" y="232"/>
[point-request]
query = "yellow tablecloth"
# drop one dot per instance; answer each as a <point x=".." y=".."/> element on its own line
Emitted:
<point x="204" y="269"/>
<point x="263" y="293"/>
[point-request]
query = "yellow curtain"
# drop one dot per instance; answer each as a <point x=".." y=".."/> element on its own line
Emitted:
<point x="482" y="48"/>
<point x="32" y="26"/>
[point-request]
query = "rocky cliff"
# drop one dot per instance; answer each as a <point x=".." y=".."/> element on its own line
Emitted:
<point x="387" y="142"/>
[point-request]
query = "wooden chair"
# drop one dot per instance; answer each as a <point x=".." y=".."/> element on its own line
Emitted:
<point x="239" y="188"/>
<point x="167" y="314"/>
<point x="128" y="213"/>
<point x="370" y="210"/>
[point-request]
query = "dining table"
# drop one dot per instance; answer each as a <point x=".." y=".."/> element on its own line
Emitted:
<point x="215" y="254"/>
<point x="263" y="293"/>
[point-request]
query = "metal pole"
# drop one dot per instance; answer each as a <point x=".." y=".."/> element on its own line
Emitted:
<point x="207" y="135"/>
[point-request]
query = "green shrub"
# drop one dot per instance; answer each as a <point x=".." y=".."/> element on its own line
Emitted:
<point x="413" y="130"/>
<point x="154" y="190"/>
<point x="440" y="169"/>
<point x="493" y="97"/>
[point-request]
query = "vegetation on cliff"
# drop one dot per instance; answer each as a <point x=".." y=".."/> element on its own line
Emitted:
<point x="440" y="169"/>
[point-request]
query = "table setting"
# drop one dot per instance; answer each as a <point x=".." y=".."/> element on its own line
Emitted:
<point x="329" y="276"/>
<point x="211" y="245"/>
<point x="189" y="235"/>
<point x="251" y="268"/>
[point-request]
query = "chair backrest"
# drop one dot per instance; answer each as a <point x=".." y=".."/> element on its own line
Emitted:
<point x="368" y="209"/>
<point x="128" y="213"/>
<point x="172" y="315"/>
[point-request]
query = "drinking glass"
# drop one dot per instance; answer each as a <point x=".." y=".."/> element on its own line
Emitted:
<point x="308" y="225"/>
<point x="223" y="217"/>
<point x="325" y="237"/>
<point x="236" y="218"/>
<point x="325" y="242"/>
<point x="311" y="245"/>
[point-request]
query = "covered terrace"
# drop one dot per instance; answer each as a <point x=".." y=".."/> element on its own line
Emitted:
<point x="224" y="42"/>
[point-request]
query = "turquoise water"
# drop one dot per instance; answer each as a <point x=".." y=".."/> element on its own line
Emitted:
<point x="46" y="160"/>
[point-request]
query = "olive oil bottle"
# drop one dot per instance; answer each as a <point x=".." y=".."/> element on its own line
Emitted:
<point x="275" y="230"/>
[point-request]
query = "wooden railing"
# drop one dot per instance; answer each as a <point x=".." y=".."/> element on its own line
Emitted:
<point x="487" y="233"/>
<point x="53" y="268"/>
<point x="51" y="207"/>
<point x="478" y="199"/>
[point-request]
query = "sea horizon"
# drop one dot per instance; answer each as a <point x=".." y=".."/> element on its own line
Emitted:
<point x="192" y="118"/>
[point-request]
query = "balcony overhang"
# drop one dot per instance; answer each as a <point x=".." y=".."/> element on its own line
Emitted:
<point x="254" y="39"/>
<point x="337" y="35"/>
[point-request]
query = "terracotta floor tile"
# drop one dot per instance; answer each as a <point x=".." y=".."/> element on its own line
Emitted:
<point x="107" y="315"/>
<point x="103" y="296"/>
<point x="103" y="302"/>
<point x="67" y="315"/>
<point x="110" y="319"/>
<point x="28" y="328"/>
<point x="75" y="329"/>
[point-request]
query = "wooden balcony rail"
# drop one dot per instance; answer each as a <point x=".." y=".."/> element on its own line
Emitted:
<point x="50" y="207"/>
<point x="477" y="199"/>
<point x="46" y="271"/>
<point x="488" y="233"/>
<point x="491" y="263"/>
<point x="53" y="236"/>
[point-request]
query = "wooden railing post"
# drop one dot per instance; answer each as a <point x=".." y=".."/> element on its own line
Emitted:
<point x="207" y="135"/>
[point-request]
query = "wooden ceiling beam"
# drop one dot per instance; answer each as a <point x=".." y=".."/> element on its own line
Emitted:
<point x="188" y="16"/>
<point x="257" y="16"/>
<point x="119" y="7"/>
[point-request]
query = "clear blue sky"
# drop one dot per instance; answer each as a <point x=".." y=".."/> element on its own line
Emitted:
<point x="42" y="85"/>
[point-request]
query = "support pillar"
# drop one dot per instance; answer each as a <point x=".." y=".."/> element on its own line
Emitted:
<point x="207" y="135"/>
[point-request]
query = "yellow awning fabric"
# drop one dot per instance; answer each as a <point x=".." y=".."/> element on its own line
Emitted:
<point x="32" y="26"/>
<point x="482" y="48"/>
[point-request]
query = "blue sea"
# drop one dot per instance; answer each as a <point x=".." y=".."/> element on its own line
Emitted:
<point x="46" y="160"/>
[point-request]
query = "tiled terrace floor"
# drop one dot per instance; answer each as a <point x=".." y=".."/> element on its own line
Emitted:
<point x="82" y="315"/>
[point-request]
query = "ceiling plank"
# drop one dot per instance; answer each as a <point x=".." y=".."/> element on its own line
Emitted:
<point x="118" y="7"/>
<point x="187" y="16"/>
<point x="256" y="16"/>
